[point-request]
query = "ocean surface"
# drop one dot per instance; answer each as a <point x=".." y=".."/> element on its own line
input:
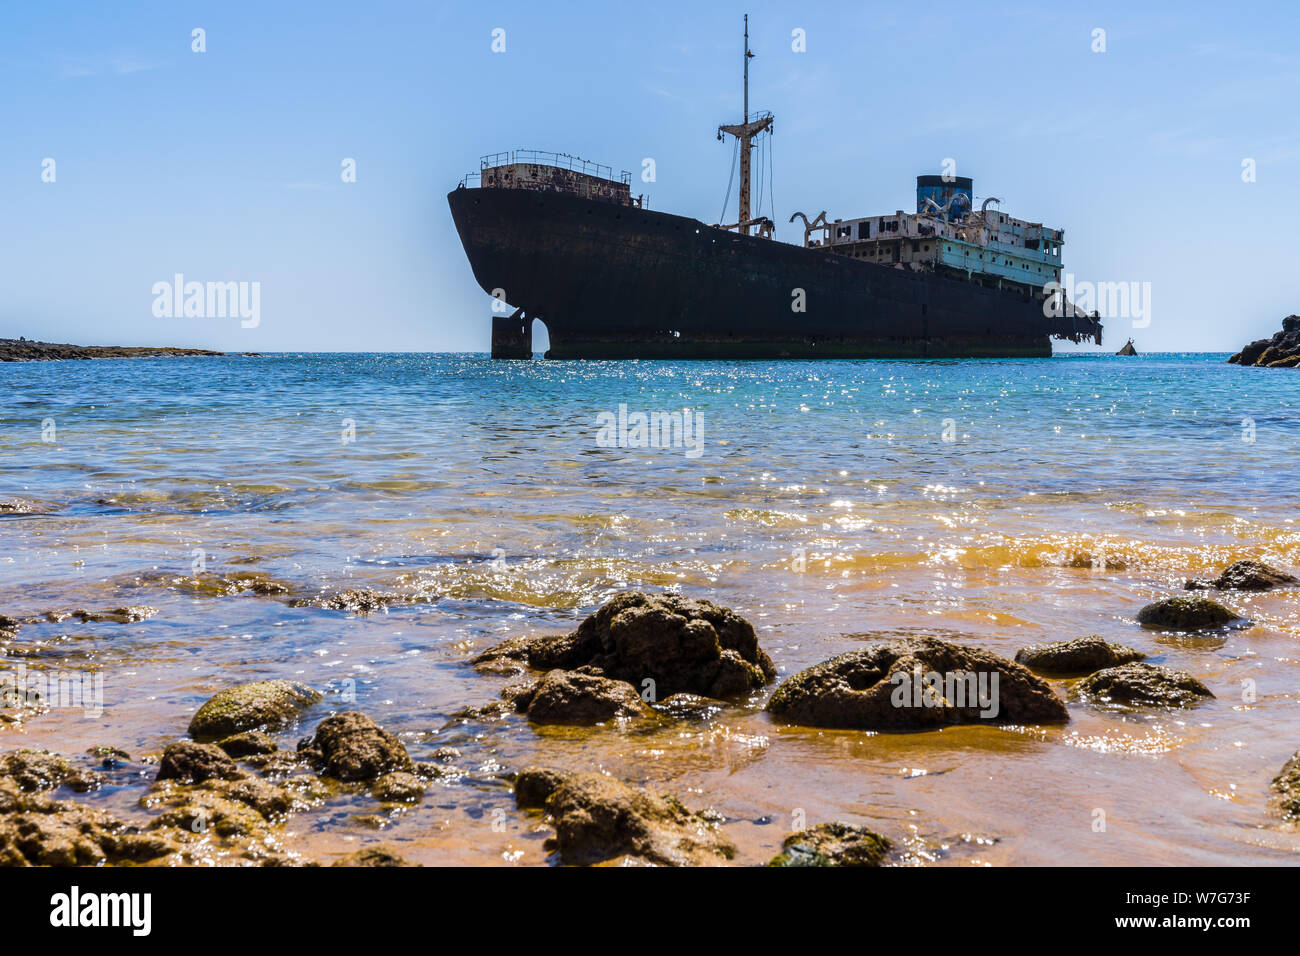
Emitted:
<point x="993" y="503"/>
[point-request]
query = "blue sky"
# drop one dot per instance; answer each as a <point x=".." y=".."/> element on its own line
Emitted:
<point x="225" y="165"/>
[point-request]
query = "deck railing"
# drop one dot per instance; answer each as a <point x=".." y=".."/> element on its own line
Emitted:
<point x="560" y="160"/>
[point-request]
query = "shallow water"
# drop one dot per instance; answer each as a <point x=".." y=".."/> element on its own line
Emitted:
<point x="827" y="505"/>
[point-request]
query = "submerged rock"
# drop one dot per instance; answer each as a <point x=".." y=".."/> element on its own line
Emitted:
<point x="916" y="683"/>
<point x="189" y="762"/>
<point x="398" y="787"/>
<point x="351" y="746"/>
<point x="597" y="819"/>
<point x="1083" y="655"/>
<point x="1245" y="576"/>
<point x="199" y="811"/>
<point x="570" y="697"/>
<point x="356" y="600"/>
<point x="44" y="770"/>
<point x="248" y="744"/>
<point x="269" y="800"/>
<point x="19" y="506"/>
<point x="260" y="705"/>
<point x="110" y="758"/>
<point x="372" y="856"/>
<point x="689" y="707"/>
<point x="279" y="763"/>
<point x="1086" y="560"/>
<point x="208" y="798"/>
<point x="1143" y="684"/>
<point x="1286" y="786"/>
<point x="832" y="844"/>
<point x="209" y="584"/>
<point x="678" y="644"/>
<point x="1185" y="614"/>
<point x="118" y="615"/>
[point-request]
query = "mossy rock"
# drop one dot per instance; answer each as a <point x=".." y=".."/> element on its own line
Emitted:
<point x="260" y="705"/>
<point x="1143" y="685"/>
<point x="251" y="743"/>
<point x="203" y="811"/>
<point x="889" y="687"/>
<point x="671" y="643"/>
<point x="1286" y="785"/>
<point x="398" y="786"/>
<point x="190" y="762"/>
<point x="1075" y="658"/>
<point x="598" y="819"/>
<point x="351" y="747"/>
<point x="36" y="830"/>
<point x="379" y="855"/>
<point x="1246" y="576"/>
<point x="832" y="844"/>
<point x="569" y="697"/>
<point x="44" y="770"/>
<point x="1186" y="614"/>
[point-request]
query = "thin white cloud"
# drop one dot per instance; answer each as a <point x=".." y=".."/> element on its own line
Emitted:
<point x="76" y="67"/>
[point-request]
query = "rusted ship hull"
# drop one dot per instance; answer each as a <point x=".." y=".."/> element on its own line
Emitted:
<point x="616" y="281"/>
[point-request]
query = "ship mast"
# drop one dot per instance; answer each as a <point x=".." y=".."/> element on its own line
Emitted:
<point x="745" y="133"/>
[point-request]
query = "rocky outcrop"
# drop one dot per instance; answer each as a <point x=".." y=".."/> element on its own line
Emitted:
<point x="832" y="844"/>
<point x="203" y="811"/>
<point x="42" y="770"/>
<point x="36" y="830"/>
<point x="201" y="793"/>
<point x="1185" y="614"/>
<point x="25" y="350"/>
<point x="571" y="697"/>
<point x="678" y="644"/>
<point x="1075" y="658"/>
<point x="598" y="819"/>
<point x="350" y="746"/>
<point x="1245" y="576"/>
<point x="261" y="705"/>
<point x="1141" y="684"/>
<point x="1280" y="351"/>
<point x="915" y="684"/>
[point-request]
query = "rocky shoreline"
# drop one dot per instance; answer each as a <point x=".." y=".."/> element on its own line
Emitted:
<point x="25" y="350"/>
<point x="1280" y="351"/>
<point x="224" y="792"/>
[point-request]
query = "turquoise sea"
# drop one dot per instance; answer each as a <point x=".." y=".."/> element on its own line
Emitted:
<point x="999" y="503"/>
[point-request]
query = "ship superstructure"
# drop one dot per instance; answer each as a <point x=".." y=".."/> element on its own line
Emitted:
<point x="947" y="236"/>
<point x="564" y="240"/>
